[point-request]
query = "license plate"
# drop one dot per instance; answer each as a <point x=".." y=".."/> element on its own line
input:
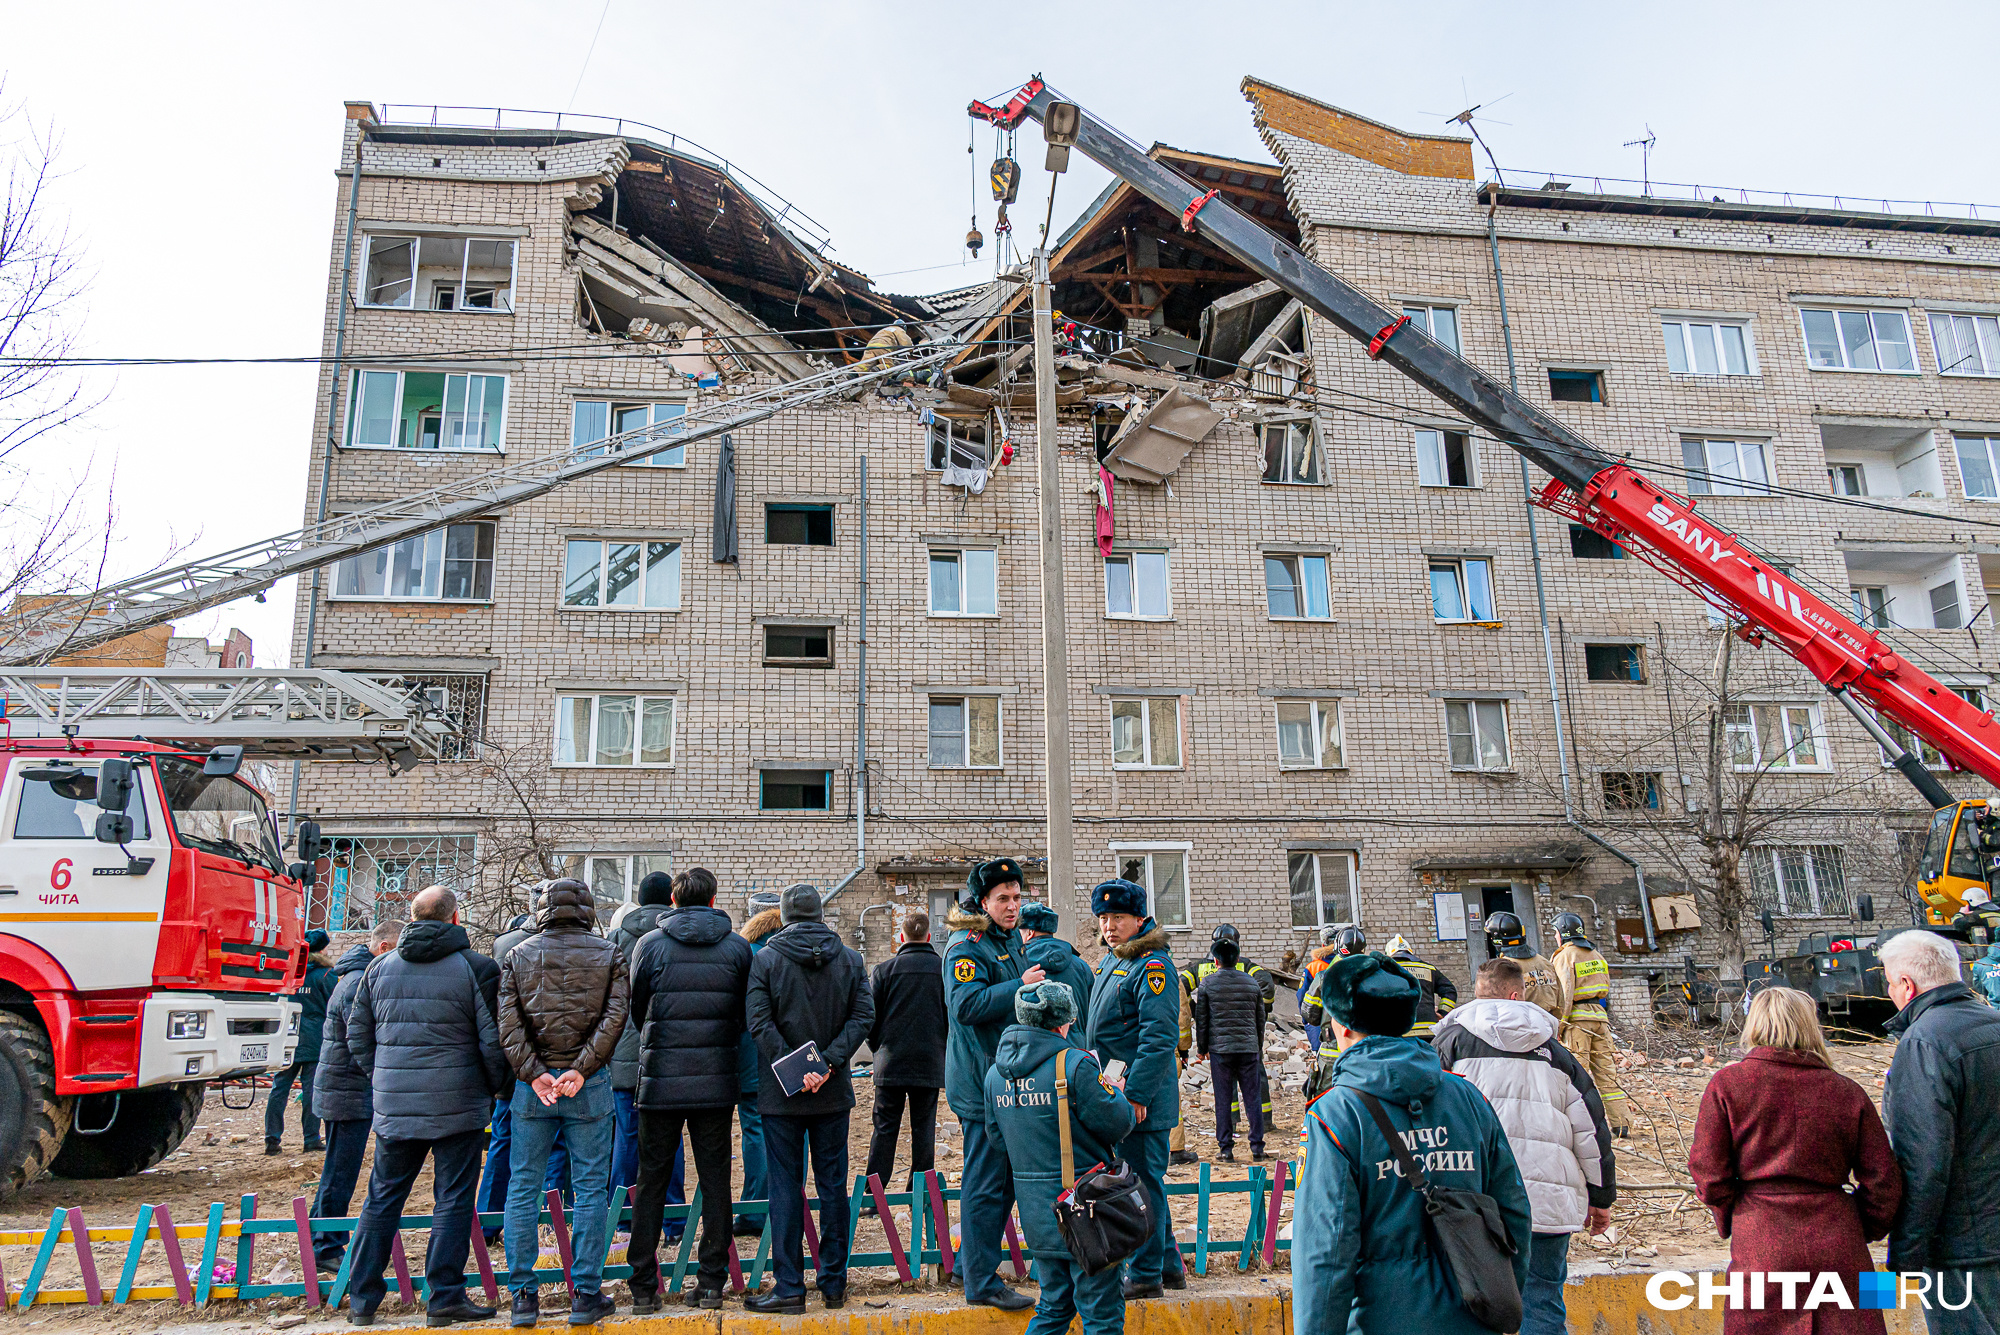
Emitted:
<point x="256" y="1052"/>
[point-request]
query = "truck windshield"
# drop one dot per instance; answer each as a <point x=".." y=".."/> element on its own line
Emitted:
<point x="219" y="815"/>
<point x="1931" y="866"/>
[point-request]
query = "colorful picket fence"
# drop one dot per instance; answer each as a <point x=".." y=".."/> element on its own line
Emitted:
<point x="228" y="1248"/>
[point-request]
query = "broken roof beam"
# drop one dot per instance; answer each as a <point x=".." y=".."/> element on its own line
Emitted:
<point x="1285" y="334"/>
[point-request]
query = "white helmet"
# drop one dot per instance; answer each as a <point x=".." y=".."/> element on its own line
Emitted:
<point x="1398" y="946"/>
<point x="1976" y="894"/>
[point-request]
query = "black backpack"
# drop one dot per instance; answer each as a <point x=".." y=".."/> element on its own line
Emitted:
<point x="1103" y="1214"/>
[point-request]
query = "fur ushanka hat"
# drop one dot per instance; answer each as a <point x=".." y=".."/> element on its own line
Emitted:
<point x="1370" y="993"/>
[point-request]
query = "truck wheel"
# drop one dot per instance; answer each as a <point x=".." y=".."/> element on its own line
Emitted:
<point x="33" y="1120"/>
<point x="146" y="1128"/>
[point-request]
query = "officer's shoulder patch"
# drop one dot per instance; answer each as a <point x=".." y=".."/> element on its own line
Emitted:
<point x="1156" y="976"/>
<point x="964" y="970"/>
<point x="974" y="936"/>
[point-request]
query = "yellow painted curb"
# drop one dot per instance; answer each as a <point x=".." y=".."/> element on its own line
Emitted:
<point x="1616" y="1305"/>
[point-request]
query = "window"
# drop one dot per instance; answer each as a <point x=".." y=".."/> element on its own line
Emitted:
<point x="1946" y="614"/>
<point x="595" y="420"/>
<point x="1775" y="737"/>
<point x="426" y="410"/>
<point x="66" y="808"/>
<point x="438" y="273"/>
<point x="1440" y="322"/>
<point x="1931" y="757"/>
<point x="947" y="441"/>
<point x="1587" y="544"/>
<point x="1296" y="586"/>
<point x="798" y="525"/>
<point x="614" y="730"/>
<point x="1979" y="466"/>
<point x="1576" y="386"/>
<point x="1725" y="467"/>
<point x="1135" y="585"/>
<point x="461" y="698"/>
<point x="1309" y="735"/>
<point x="1322" y="887"/>
<point x="1146" y="733"/>
<point x="798" y="646"/>
<point x="1703" y="347"/>
<point x="636" y="574"/>
<point x="965" y="732"/>
<point x="794" y="790"/>
<point x="1966" y="344"/>
<point x="1163" y="871"/>
<point x="1630" y="792"/>
<point x="614" y="878"/>
<point x="216" y="814"/>
<point x="1477" y="731"/>
<point x="1613" y="662"/>
<point x="453" y="564"/>
<point x="1857" y="340"/>
<point x="1798" y="880"/>
<point x="964" y="583"/>
<point x="1462" y="590"/>
<point x="1847" y="479"/>
<point x="1289" y="453"/>
<point x="1445" y="459"/>
<point x="1871" y="605"/>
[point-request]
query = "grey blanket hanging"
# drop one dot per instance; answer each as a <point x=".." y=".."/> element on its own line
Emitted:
<point x="725" y="502"/>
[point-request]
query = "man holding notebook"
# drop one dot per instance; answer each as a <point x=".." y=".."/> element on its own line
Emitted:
<point x="806" y="987"/>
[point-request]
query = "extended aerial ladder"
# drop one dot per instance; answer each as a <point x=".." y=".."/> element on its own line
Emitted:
<point x="1586" y="485"/>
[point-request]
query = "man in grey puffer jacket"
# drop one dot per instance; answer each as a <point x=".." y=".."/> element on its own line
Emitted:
<point x="341" y="1097"/>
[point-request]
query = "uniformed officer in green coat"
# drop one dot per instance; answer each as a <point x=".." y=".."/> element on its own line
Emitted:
<point x="1057" y="957"/>
<point x="1135" y="1018"/>
<point x="983" y="969"/>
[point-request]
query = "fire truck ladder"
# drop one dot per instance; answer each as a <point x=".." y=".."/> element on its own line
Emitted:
<point x="75" y="624"/>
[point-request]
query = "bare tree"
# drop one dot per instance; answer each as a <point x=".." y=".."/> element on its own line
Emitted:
<point x="524" y="843"/>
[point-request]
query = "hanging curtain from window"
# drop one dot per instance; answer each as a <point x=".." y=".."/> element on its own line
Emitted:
<point x="724" y="546"/>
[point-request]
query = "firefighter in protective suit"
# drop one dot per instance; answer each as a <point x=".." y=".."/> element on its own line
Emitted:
<point x="1583" y="1025"/>
<point x="1340" y="943"/>
<point x="1506" y="936"/>
<point x="1980" y="918"/>
<point x="1439" y="993"/>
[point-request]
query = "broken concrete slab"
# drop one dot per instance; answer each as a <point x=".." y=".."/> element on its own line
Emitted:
<point x="1153" y="442"/>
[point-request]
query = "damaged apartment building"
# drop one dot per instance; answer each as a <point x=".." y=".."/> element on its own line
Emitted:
<point x="1308" y="673"/>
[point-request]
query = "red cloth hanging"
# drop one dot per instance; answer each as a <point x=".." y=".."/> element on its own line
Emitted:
<point x="1104" y="516"/>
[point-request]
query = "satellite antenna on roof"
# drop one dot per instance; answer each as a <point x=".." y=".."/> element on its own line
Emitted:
<point x="1645" y="147"/>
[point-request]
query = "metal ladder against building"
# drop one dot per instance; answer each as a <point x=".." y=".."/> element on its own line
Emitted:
<point x="73" y="624"/>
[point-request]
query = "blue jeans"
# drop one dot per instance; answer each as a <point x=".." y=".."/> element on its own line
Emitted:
<point x="493" y="1182"/>
<point x="625" y="1160"/>
<point x="985" y="1196"/>
<point x="785" y="1140"/>
<point x="1146" y="1151"/>
<point x="585" y="1122"/>
<point x="1542" y="1297"/>
<point x="752" y="1122"/>
<point x="1068" y="1292"/>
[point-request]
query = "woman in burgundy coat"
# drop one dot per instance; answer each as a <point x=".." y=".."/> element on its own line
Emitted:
<point x="1779" y="1135"/>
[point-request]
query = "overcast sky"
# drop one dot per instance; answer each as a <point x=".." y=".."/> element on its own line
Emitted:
<point x="199" y="144"/>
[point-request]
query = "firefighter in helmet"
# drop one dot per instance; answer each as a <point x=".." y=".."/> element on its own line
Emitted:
<point x="1439" y="993"/>
<point x="1340" y="942"/>
<point x="1191" y="981"/>
<point x="1506" y="936"/>
<point x="1980" y="918"/>
<point x="1583" y="1025"/>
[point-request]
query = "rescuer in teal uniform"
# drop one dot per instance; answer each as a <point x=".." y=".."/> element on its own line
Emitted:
<point x="1135" y="1018"/>
<point x="983" y="969"/>
<point x="1057" y="957"/>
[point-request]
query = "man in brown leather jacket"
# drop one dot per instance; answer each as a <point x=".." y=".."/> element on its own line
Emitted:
<point x="564" y="993"/>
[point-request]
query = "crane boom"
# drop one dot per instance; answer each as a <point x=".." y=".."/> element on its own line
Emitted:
<point x="1586" y="484"/>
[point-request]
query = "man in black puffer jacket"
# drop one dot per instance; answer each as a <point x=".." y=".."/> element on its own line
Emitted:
<point x="1229" y="1032"/>
<point x="656" y="893"/>
<point x="805" y="986"/>
<point x="340" y="1096"/>
<point x="688" y="991"/>
<point x="423" y="1030"/>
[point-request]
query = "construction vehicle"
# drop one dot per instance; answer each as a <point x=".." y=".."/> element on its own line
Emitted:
<point x="1958" y="855"/>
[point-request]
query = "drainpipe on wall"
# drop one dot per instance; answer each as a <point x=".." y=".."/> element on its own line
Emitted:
<point x="860" y="713"/>
<point x="1542" y="606"/>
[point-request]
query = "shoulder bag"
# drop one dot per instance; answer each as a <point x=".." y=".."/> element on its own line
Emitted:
<point x="1468" y="1235"/>
<point x="1103" y="1214"/>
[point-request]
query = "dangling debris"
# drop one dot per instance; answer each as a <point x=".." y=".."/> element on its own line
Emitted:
<point x="1153" y="442"/>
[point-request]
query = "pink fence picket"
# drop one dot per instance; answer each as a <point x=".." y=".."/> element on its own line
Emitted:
<point x="941" y="1224"/>
<point x="93" y="1292"/>
<point x="1271" y="1215"/>
<point x="407" y="1290"/>
<point x="302" y="1213"/>
<point x="889" y="1227"/>
<point x="562" y="1233"/>
<point x="1014" y="1247"/>
<point x="485" y="1261"/>
<point x="170" y="1242"/>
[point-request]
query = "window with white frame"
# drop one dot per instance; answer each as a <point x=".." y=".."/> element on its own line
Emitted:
<point x="1296" y="587"/>
<point x="1966" y="344"/>
<point x="1136" y="586"/>
<point x="1291" y="452"/>
<point x="1164" y="873"/>
<point x="1476" y="731"/>
<point x="1462" y="589"/>
<point x="1777" y="736"/>
<point x="1979" y="466"/>
<point x="1846" y="480"/>
<point x="1932" y="757"/>
<point x="1446" y="459"/>
<point x="622" y="574"/>
<point x="964" y="583"/>
<point x="438" y="273"/>
<point x="614" y="729"/>
<point x="593" y="421"/>
<point x="614" y="878"/>
<point x="1864" y="340"/>
<point x="1322" y="890"/>
<point x="1725" y="467"/>
<point x="1946" y="611"/>
<point x="1146" y="732"/>
<point x="1798" y="880"/>
<point x="965" y="732"/>
<point x="1871" y="605"/>
<point x="426" y="410"/>
<point x="1440" y="322"/>
<point x="453" y="565"/>
<point x="1706" y="347"/>
<point x="1309" y="735"/>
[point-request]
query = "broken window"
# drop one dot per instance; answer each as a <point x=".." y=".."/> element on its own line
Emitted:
<point x="1613" y="662"/>
<point x="1291" y="454"/>
<point x="641" y="574"/>
<point x="1630" y="791"/>
<point x="798" y="525"/>
<point x="593" y="421"/>
<point x="1477" y="733"/>
<point x="1847" y="480"/>
<point x="1135" y="585"/>
<point x="1296" y="586"/>
<point x="1163" y="871"/>
<point x="1309" y="735"/>
<point x="1445" y="459"/>
<point x="614" y="730"/>
<point x="963" y="583"/>
<point x="1462" y="589"/>
<point x="794" y="790"/>
<point x="798" y="646"/>
<point x="453" y="564"/>
<point x="1146" y="733"/>
<point x="1775" y="736"/>
<point x="461" y="698"/>
<point x="1576" y="386"/>
<point x="965" y="732"/>
<point x="426" y="410"/>
<point x="1440" y="322"/>
<point x="1724" y="467"/>
<point x="1587" y="544"/>
<point x="1857" y="340"/>
<point x="946" y="441"/>
<point x="1322" y="889"/>
<point x="438" y="273"/>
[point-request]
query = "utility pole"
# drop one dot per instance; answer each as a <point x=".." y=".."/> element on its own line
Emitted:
<point x="1055" y="614"/>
